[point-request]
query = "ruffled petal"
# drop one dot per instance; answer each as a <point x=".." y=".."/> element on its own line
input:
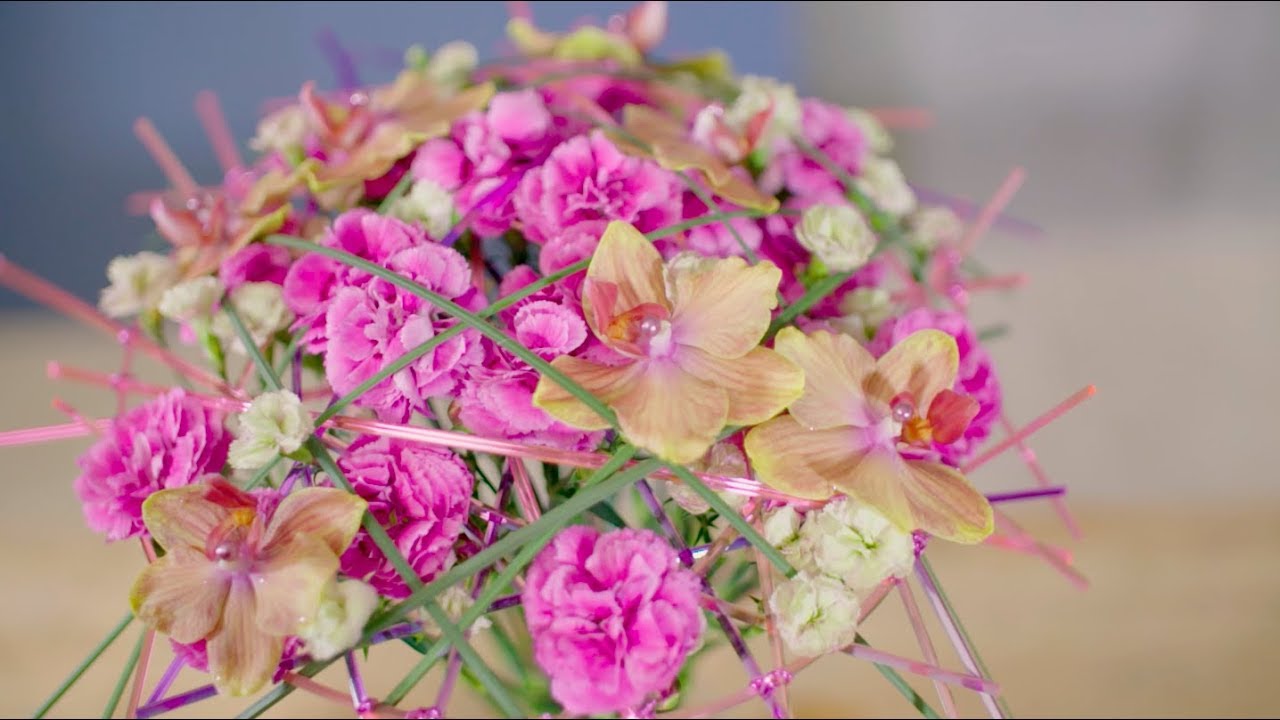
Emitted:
<point x="834" y="368"/>
<point x="722" y="306"/>
<point x="945" y="505"/>
<point x="183" y="516"/>
<point x="181" y="595"/>
<point x="803" y="463"/>
<point x="759" y="384"/>
<point x="670" y="412"/>
<point x="606" y="382"/>
<point x="288" y="587"/>
<point x="627" y="260"/>
<point x="327" y="514"/>
<point x="241" y="656"/>
<point x="924" y="363"/>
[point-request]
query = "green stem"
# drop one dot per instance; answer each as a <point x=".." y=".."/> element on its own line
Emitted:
<point x="125" y="674"/>
<point x="83" y="666"/>
<point x="396" y="193"/>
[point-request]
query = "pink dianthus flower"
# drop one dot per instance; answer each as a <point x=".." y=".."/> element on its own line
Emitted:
<point x="612" y="616"/>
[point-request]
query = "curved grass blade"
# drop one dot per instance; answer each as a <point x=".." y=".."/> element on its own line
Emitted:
<point x="83" y="666"/>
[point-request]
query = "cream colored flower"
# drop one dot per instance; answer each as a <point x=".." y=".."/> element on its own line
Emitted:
<point x="857" y="545"/>
<point x="879" y="141"/>
<point x="882" y="181"/>
<point x="261" y="308"/>
<point x="758" y="94"/>
<point x="930" y="227"/>
<point x="837" y="235"/>
<point x="428" y="203"/>
<point x="137" y="283"/>
<point x="781" y="527"/>
<point x="815" y="614"/>
<point x="451" y="64"/>
<point x="862" y="311"/>
<point x="339" y="621"/>
<point x="455" y="601"/>
<point x="192" y="301"/>
<point x="275" y="424"/>
<point x="281" y="131"/>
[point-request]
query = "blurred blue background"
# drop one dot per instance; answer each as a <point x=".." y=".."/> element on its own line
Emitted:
<point x="78" y="74"/>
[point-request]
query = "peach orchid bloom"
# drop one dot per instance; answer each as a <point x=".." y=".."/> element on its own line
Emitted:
<point x="857" y="417"/>
<point x="689" y="332"/>
<point x="239" y="575"/>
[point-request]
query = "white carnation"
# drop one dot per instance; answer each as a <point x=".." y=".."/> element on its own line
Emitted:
<point x="837" y="235"/>
<point x="137" y="283"/>
<point x="815" y="614"/>
<point x="275" y="424"/>
<point x="339" y="621"/>
<point x="857" y="545"/>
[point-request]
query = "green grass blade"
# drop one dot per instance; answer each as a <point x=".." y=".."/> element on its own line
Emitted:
<point x="900" y="684"/>
<point x="83" y="666"/>
<point x="125" y="674"/>
<point x="396" y="193"/>
<point x="265" y="370"/>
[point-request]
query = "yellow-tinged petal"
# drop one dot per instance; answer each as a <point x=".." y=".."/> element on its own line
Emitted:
<point x="182" y="595"/>
<point x="834" y="367"/>
<point x="670" y="412"/>
<point x="330" y="515"/>
<point x="432" y="118"/>
<point x="880" y="479"/>
<point x="668" y="144"/>
<point x="760" y="384"/>
<point x="182" y="517"/>
<point x="604" y="381"/>
<point x="241" y="656"/>
<point x="722" y="306"/>
<point x="626" y="259"/>
<point x="945" y="505"/>
<point x="288" y="587"/>
<point x="924" y="363"/>
<point x="803" y="463"/>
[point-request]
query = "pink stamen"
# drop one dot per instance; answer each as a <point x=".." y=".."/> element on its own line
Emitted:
<point x="160" y="151"/>
<point x="215" y="127"/>
<point x="1053" y="414"/>
<point x="991" y="210"/>
<point x="52" y="296"/>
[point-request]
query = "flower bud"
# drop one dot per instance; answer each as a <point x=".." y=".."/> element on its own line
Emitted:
<point x="837" y="235"/>
<point x="275" y="424"/>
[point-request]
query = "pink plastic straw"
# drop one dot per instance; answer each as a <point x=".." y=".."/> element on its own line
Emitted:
<point x="1030" y="428"/>
<point x="160" y="151"/>
<point x="991" y="210"/>
<point x="215" y="126"/>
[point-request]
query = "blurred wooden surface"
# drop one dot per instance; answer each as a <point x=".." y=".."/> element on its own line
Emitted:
<point x="1183" y="618"/>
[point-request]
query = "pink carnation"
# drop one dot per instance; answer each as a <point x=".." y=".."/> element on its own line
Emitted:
<point x="486" y="155"/>
<point x="612" y="617"/>
<point x="372" y="325"/>
<point x="496" y="400"/>
<point x="312" y="281"/>
<point x="168" y="442"/>
<point x="828" y="128"/>
<point x="976" y="377"/>
<point x="258" y="262"/>
<point x="421" y="495"/>
<point x="584" y="184"/>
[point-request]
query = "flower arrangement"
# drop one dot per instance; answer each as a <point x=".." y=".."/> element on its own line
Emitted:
<point x="609" y="357"/>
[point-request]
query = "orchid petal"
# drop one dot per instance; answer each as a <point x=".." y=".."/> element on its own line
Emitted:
<point x="950" y="414"/>
<point x="328" y="514"/>
<point x="181" y="594"/>
<point x="288" y="586"/>
<point x="800" y="462"/>
<point x="923" y="364"/>
<point x="241" y="656"/>
<point x="759" y="384"/>
<point x="672" y="413"/>
<point x="834" y="366"/>
<point x="179" y="227"/>
<point x="880" y="479"/>
<point x="945" y="505"/>
<point x="722" y="306"/>
<point x="606" y="382"/>
<point x="626" y="259"/>
<point x="183" y="517"/>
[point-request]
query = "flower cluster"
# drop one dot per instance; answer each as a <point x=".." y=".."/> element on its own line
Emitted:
<point x="431" y="307"/>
